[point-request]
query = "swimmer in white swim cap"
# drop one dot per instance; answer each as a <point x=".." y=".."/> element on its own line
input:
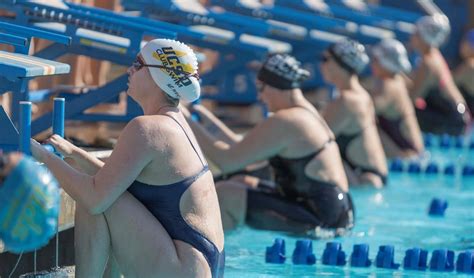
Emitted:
<point x="433" y="30"/>
<point x="440" y="106"/>
<point x="173" y="66"/>
<point x="465" y="71"/>
<point x="397" y="123"/>
<point x="155" y="194"/>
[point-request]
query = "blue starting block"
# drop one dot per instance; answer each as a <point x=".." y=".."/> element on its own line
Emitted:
<point x="192" y="13"/>
<point x="311" y="21"/>
<point x="14" y="66"/>
<point x="106" y="35"/>
<point x="17" y="69"/>
<point x="359" y="12"/>
<point x="92" y="35"/>
<point x="381" y="10"/>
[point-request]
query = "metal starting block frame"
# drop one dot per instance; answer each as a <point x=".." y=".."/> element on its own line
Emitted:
<point x="397" y="21"/>
<point x="105" y="35"/>
<point x="17" y="69"/>
<point x="305" y="44"/>
<point x="93" y="35"/>
<point x="363" y="33"/>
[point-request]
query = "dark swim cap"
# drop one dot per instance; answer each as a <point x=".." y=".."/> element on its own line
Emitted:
<point x="283" y="72"/>
<point x="29" y="207"/>
<point x="350" y="55"/>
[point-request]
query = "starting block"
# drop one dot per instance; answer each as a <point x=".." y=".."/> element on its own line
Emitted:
<point x="17" y="69"/>
<point x="192" y="13"/>
<point x="106" y="35"/>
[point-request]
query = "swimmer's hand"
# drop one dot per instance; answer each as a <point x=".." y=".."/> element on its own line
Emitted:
<point x="62" y="146"/>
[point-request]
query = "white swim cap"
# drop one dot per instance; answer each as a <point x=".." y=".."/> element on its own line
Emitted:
<point x="392" y="56"/>
<point x="178" y="77"/>
<point x="434" y="30"/>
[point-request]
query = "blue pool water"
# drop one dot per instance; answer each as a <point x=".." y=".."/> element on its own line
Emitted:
<point x="396" y="215"/>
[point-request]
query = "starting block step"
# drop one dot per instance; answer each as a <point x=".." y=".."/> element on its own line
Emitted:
<point x="14" y="65"/>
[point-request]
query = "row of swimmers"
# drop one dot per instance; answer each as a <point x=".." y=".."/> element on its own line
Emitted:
<point x="153" y="207"/>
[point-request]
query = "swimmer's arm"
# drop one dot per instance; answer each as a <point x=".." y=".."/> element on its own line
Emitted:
<point x="335" y="117"/>
<point x="98" y="192"/>
<point x="418" y="81"/>
<point x="380" y="99"/>
<point x="226" y="134"/>
<point x="262" y="142"/>
<point x="88" y="163"/>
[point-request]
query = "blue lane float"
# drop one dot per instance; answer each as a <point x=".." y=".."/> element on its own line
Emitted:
<point x="386" y="257"/>
<point x="414" y="167"/>
<point x="415" y="259"/>
<point x="333" y="254"/>
<point x="303" y="253"/>
<point x="468" y="170"/>
<point x="449" y="170"/>
<point x="396" y="165"/>
<point x="428" y="140"/>
<point x="445" y="141"/>
<point x="459" y="142"/>
<point x="275" y="254"/>
<point x="442" y="260"/>
<point x="360" y="256"/>
<point x="438" y="207"/>
<point x="432" y="168"/>
<point x="465" y="262"/>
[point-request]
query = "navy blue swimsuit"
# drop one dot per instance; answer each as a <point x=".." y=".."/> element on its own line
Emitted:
<point x="163" y="202"/>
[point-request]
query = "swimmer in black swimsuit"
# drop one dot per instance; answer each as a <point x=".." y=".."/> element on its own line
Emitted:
<point x="309" y="188"/>
<point x="396" y="119"/>
<point x="440" y="106"/>
<point x="351" y="115"/>
<point x="152" y="208"/>
<point x="465" y="71"/>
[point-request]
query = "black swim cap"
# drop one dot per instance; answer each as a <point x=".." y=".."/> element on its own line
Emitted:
<point x="283" y="72"/>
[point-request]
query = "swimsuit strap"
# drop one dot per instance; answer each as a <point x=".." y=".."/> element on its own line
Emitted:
<point x="189" y="139"/>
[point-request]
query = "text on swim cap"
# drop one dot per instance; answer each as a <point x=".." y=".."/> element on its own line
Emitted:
<point x="176" y="70"/>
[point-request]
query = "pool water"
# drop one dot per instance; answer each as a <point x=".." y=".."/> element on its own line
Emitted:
<point x="396" y="215"/>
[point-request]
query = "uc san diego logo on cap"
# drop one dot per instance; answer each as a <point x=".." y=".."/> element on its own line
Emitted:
<point x="177" y="70"/>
